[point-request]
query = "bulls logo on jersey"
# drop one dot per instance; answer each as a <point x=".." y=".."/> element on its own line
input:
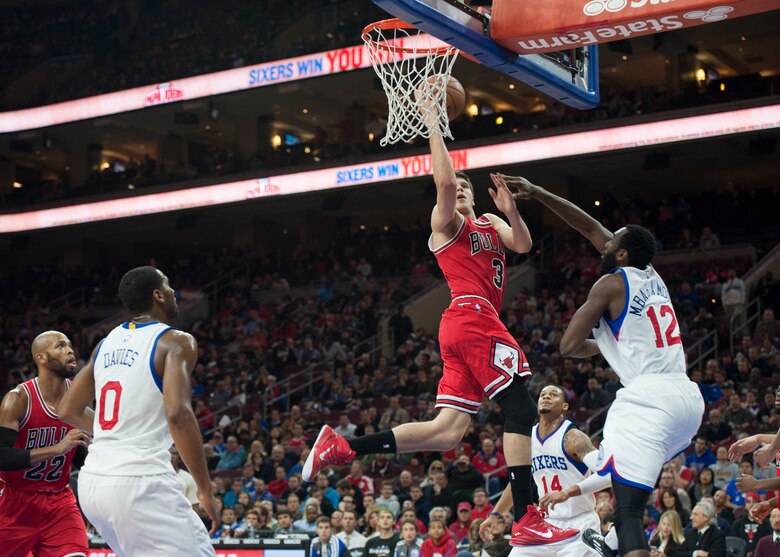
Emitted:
<point x="505" y="357"/>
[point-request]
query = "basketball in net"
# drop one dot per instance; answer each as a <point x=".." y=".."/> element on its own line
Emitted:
<point x="415" y="71"/>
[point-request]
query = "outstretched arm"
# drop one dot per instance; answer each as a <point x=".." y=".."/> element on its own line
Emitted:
<point x="575" y="217"/>
<point x="575" y="342"/>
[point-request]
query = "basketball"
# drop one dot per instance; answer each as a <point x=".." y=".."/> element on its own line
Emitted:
<point x="456" y="98"/>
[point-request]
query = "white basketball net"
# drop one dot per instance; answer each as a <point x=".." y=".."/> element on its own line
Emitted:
<point x="414" y="69"/>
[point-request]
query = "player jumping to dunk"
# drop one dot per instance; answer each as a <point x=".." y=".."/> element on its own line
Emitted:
<point x="635" y="328"/>
<point x="480" y="357"/>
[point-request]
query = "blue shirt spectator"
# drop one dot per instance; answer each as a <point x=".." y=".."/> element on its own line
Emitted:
<point x="702" y="456"/>
<point x="234" y="455"/>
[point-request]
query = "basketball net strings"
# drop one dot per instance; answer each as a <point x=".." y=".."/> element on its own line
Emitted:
<point x="405" y="78"/>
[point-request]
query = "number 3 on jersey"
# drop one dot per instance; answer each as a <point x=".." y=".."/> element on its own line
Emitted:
<point x="498" y="280"/>
<point x="108" y="412"/>
<point x="671" y="338"/>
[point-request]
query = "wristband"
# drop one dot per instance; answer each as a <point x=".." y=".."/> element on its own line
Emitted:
<point x="497" y="515"/>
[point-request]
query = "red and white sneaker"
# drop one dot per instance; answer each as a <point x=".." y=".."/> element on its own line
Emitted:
<point x="532" y="529"/>
<point x="329" y="448"/>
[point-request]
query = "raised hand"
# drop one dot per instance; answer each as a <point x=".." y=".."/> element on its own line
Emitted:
<point x="743" y="447"/>
<point x="486" y="529"/>
<point x="763" y="457"/>
<point x="502" y="195"/>
<point x="524" y="188"/>
<point x="760" y="511"/>
<point x="549" y="500"/>
<point x="746" y="484"/>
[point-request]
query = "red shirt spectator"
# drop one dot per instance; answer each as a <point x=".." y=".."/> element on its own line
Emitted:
<point x="360" y="481"/>
<point x="460" y="528"/>
<point x="488" y="459"/>
<point x="439" y="543"/>
<point x="482" y="507"/>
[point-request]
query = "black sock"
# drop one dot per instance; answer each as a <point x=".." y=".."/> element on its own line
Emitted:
<point x="520" y="478"/>
<point x="382" y="442"/>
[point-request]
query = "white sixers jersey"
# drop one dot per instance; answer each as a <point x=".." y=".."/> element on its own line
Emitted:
<point x="645" y="338"/>
<point x="554" y="470"/>
<point x="131" y="436"/>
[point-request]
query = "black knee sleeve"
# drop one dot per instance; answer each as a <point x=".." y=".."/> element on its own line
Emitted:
<point x="630" y="503"/>
<point x="518" y="407"/>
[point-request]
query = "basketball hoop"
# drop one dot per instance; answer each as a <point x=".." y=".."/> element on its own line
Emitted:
<point x="414" y="69"/>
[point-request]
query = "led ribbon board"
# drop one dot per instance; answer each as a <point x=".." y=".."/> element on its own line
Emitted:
<point x="490" y="156"/>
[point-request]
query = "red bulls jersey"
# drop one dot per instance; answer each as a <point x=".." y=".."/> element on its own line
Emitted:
<point x="40" y="427"/>
<point x="474" y="262"/>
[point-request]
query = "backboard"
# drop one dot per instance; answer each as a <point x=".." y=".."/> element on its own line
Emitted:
<point x="570" y="77"/>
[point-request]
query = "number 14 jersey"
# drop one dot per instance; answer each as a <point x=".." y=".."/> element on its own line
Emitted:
<point x="131" y="436"/>
<point x="645" y="337"/>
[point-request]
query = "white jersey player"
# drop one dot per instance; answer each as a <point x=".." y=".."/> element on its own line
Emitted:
<point x="139" y="376"/>
<point x="635" y="328"/>
<point x="561" y="459"/>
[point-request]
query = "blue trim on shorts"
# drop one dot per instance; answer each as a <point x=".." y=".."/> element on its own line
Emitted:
<point x="609" y="468"/>
<point x="157" y="379"/>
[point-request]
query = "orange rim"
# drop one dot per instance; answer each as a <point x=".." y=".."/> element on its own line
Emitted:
<point x="395" y="23"/>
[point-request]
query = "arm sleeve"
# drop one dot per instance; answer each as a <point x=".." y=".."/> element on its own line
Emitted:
<point x="594" y="483"/>
<point x="11" y="458"/>
<point x="80" y="456"/>
<point x="590" y="460"/>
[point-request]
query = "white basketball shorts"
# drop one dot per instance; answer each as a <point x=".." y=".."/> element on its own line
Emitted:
<point x="143" y="516"/>
<point x="650" y="422"/>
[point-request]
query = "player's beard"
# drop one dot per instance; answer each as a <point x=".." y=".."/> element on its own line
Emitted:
<point x="608" y="262"/>
<point x="545" y="410"/>
<point x="59" y="368"/>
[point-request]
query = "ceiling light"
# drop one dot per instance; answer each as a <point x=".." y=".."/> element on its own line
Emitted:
<point x="130" y="186"/>
<point x="305" y="110"/>
<point x="307" y="149"/>
<point x="276" y="140"/>
<point x="499" y="120"/>
<point x="511" y="85"/>
<point x="105" y="166"/>
<point x="722" y="86"/>
<point x="625" y="57"/>
<point x="371" y="136"/>
<point x="18" y="185"/>
<point x="701" y="75"/>
<point x="473" y="109"/>
<point x="597" y="203"/>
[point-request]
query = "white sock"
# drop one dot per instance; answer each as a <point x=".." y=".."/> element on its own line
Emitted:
<point x="611" y="539"/>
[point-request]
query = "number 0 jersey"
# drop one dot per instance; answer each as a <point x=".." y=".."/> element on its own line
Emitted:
<point x="645" y="338"/>
<point x="40" y="427"/>
<point x="554" y="470"/>
<point x="131" y="436"/>
<point x="474" y="261"/>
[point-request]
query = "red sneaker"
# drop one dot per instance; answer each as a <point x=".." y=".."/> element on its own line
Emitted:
<point x="329" y="448"/>
<point x="532" y="529"/>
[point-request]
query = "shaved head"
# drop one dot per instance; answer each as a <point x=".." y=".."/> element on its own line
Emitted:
<point x="52" y="351"/>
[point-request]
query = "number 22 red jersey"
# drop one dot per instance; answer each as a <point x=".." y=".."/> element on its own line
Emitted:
<point x="474" y="261"/>
<point x="40" y="427"/>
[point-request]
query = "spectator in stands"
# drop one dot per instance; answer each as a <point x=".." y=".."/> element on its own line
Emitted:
<point x="701" y="457"/>
<point x="393" y="414"/>
<point x="735" y="415"/>
<point x="204" y="416"/>
<point x="279" y="484"/>
<point x="668" y="537"/>
<point x="326" y="544"/>
<point x="462" y="523"/>
<point x="747" y="529"/>
<point x="231" y="497"/>
<point x="402" y="326"/>
<point x="293" y="503"/>
<point x="294" y="485"/>
<point x="410" y="542"/>
<point x="686" y="241"/>
<point x="387" y="499"/>
<point x="345" y="428"/>
<point x="488" y="460"/>
<point x="666" y="482"/>
<point x="439" y="543"/>
<point x="733" y="295"/>
<point x="687" y="300"/>
<point x="422" y="505"/>
<point x="357" y="478"/>
<point x="285" y="525"/>
<point x="670" y="501"/>
<point x="703" y="487"/>
<point x="715" y="430"/>
<point x="720" y="501"/>
<point x="482" y="505"/>
<point x="255" y="528"/>
<point x="464" y="478"/>
<point x="380" y="466"/>
<point x="353" y="540"/>
<point x="595" y="398"/>
<point x="769" y="545"/>
<point x="405" y="480"/>
<point x="703" y="323"/>
<point x="328" y="492"/>
<point x="275" y="459"/>
<point x="704" y="538"/>
<point x="708" y="239"/>
<point x="233" y="456"/>
<point x="316" y="494"/>
<point x="440" y="494"/>
<point x="768" y="327"/>
<point x="310" y="514"/>
<point x="736" y="497"/>
<point x="383" y="544"/>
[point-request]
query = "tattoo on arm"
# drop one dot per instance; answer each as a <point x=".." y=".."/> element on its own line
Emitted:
<point x="578" y="444"/>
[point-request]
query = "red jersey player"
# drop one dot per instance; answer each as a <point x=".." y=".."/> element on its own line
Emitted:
<point x="480" y="357"/>
<point x="38" y="511"/>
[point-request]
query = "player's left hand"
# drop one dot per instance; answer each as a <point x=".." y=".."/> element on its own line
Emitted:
<point x="760" y="511"/>
<point x="502" y="195"/>
<point x="764" y="455"/>
<point x="486" y="529"/>
<point x="746" y="484"/>
<point x="549" y="500"/>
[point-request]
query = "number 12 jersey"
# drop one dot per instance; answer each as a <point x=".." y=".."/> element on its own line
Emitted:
<point x="645" y="337"/>
<point x="131" y="436"/>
